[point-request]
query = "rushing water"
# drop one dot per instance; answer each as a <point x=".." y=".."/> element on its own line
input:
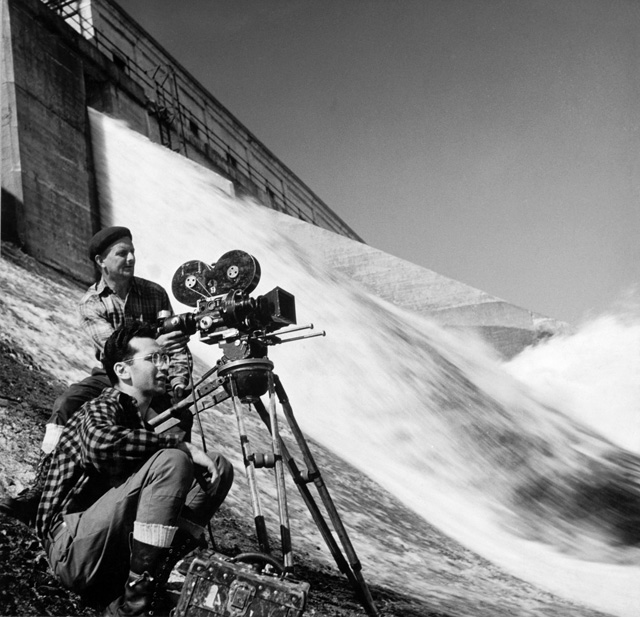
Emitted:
<point x="532" y="463"/>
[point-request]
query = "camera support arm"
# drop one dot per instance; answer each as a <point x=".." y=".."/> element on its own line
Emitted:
<point x="218" y="397"/>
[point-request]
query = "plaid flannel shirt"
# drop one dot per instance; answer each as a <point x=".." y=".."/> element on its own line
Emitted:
<point x="100" y="447"/>
<point x="102" y="311"/>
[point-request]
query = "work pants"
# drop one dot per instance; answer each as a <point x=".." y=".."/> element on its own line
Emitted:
<point x="89" y="551"/>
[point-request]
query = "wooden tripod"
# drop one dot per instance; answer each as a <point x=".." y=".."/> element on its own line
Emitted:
<point x="242" y="379"/>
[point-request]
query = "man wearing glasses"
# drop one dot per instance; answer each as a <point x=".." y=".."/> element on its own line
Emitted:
<point x="121" y="503"/>
<point x="117" y="298"/>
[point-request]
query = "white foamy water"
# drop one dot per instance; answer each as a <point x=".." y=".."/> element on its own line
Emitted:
<point x="466" y="442"/>
<point x="593" y="375"/>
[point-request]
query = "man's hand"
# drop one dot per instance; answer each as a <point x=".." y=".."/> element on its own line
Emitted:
<point x="200" y="457"/>
<point x="178" y="393"/>
<point x="173" y="342"/>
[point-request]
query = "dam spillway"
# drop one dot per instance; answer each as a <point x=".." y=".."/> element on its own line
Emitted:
<point x="434" y="416"/>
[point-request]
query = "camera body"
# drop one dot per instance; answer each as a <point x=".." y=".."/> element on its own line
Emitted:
<point x="224" y="312"/>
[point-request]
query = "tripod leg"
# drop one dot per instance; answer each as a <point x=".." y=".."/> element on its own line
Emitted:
<point x="314" y="474"/>
<point x="310" y="502"/>
<point x="258" y="517"/>
<point x="283" y="512"/>
<point x="353" y="569"/>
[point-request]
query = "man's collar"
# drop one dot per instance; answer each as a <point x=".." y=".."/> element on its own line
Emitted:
<point x="119" y="395"/>
<point x="127" y="401"/>
<point x="103" y="287"/>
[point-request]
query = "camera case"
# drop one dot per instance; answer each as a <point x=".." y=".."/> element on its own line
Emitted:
<point x="217" y="586"/>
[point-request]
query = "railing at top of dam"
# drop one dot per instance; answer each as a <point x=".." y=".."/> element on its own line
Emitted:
<point x="179" y="127"/>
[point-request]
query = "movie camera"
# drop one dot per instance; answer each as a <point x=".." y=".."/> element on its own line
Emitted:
<point x="220" y="295"/>
<point x="243" y="326"/>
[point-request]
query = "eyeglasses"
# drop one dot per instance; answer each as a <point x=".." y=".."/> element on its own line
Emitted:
<point x="158" y="359"/>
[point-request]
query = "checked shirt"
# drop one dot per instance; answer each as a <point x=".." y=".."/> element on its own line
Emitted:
<point x="102" y="311"/>
<point x="100" y="447"/>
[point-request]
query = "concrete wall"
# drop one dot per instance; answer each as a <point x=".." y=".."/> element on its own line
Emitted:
<point x="12" y="194"/>
<point x="47" y="198"/>
<point x="507" y="327"/>
<point x="55" y="66"/>
<point x="50" y="74"/>
<point x="185" y="117"/>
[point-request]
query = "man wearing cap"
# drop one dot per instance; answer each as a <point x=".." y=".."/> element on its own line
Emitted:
<point x="117" y="298"/>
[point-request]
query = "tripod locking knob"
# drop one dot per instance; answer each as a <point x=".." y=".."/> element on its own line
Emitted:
<point x="267" y="459"/>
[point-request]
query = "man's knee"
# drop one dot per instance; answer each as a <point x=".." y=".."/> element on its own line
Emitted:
<point x="75" y="396"/>
<point x="67" y="404"/>
<point x="173" y="463"/>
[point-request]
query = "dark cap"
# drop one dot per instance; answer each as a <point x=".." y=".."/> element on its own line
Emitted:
<point x="105" y="238"/>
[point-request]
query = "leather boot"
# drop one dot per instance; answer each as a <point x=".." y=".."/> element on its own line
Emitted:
<point x="150" y="568"/>
<point x="183" y="544"/>
<point x="144" y="585"/>
<point x="24" y="507"/>
<point x="136" y="600"/>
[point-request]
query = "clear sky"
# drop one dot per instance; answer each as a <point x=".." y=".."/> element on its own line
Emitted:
<point x="496" y="142"/>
